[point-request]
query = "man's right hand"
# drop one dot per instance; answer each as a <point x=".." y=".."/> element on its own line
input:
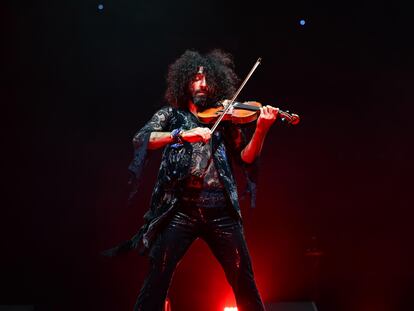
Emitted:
<point x="198" y="134"/>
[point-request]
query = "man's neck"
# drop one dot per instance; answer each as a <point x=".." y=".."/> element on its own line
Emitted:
<point x="193" y="108"/>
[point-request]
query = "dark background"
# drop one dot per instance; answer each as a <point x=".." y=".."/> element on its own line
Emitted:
<point x="77" y="82"/>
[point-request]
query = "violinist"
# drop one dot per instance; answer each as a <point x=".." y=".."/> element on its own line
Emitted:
<point x="195" y="195"/>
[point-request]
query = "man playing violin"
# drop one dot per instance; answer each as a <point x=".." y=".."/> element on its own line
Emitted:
<point x="195" y="195"/>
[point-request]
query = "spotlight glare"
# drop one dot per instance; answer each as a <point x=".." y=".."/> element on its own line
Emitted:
<point x="230" y="309"/>
<point x="100" y="6"/>
<point x="302" y="22"/>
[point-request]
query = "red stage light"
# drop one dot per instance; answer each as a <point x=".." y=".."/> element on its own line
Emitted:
<point x="167" y="305"/>
<point x="230" y="309"/>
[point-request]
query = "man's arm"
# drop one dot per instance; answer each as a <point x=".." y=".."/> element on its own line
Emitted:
<point x="267" y="117"/>
<point x="160" y="139"/>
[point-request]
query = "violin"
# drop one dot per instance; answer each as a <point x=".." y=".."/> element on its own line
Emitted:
<point x="241" y="113"/>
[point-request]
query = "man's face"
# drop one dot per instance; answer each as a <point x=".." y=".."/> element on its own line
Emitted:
<point x="199" y="89"/>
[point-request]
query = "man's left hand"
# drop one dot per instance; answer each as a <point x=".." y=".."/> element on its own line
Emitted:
<point x="267" y="117"/>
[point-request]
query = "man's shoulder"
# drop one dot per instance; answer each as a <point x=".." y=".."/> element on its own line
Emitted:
<point x="174" y="115"/>
<point x="166" y="108"/>
<point x="166" y="112"/>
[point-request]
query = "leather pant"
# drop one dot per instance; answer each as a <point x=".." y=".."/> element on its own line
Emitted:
<point x="224" y="236"/>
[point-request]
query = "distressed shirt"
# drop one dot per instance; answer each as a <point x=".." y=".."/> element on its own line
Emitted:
<point x="211" y="162"/>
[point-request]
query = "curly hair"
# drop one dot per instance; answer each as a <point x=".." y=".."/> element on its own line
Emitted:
<point x="219" y="70"/>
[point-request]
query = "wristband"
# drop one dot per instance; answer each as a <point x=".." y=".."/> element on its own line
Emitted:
<point x="176" y="137"/>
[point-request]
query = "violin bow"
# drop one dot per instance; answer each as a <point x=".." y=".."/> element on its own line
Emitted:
<point x="230" y="104"/>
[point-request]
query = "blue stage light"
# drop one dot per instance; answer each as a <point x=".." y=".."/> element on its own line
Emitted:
<point x="302" y="22"/>
<point x="100" y="6"/>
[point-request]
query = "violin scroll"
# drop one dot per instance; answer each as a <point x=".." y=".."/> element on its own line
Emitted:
<point x="289" y="118"/>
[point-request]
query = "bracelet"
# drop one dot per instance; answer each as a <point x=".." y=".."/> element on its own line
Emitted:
<point x="176" y="136"/>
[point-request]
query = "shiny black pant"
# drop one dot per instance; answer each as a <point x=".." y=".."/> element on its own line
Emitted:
<point x="224" y="236"/>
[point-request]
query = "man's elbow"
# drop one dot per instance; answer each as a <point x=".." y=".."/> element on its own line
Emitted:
<point x="246" y="158"/>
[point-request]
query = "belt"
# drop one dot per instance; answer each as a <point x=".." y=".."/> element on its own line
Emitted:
<point x="204" y="198"/>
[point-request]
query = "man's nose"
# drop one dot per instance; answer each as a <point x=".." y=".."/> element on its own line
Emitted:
<point x="203" y="82"/>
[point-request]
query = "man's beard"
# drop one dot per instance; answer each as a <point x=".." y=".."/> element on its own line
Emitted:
<point x="202" y="101"/>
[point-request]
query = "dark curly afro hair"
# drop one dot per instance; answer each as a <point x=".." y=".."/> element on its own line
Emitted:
<point x="218" y="68"/>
